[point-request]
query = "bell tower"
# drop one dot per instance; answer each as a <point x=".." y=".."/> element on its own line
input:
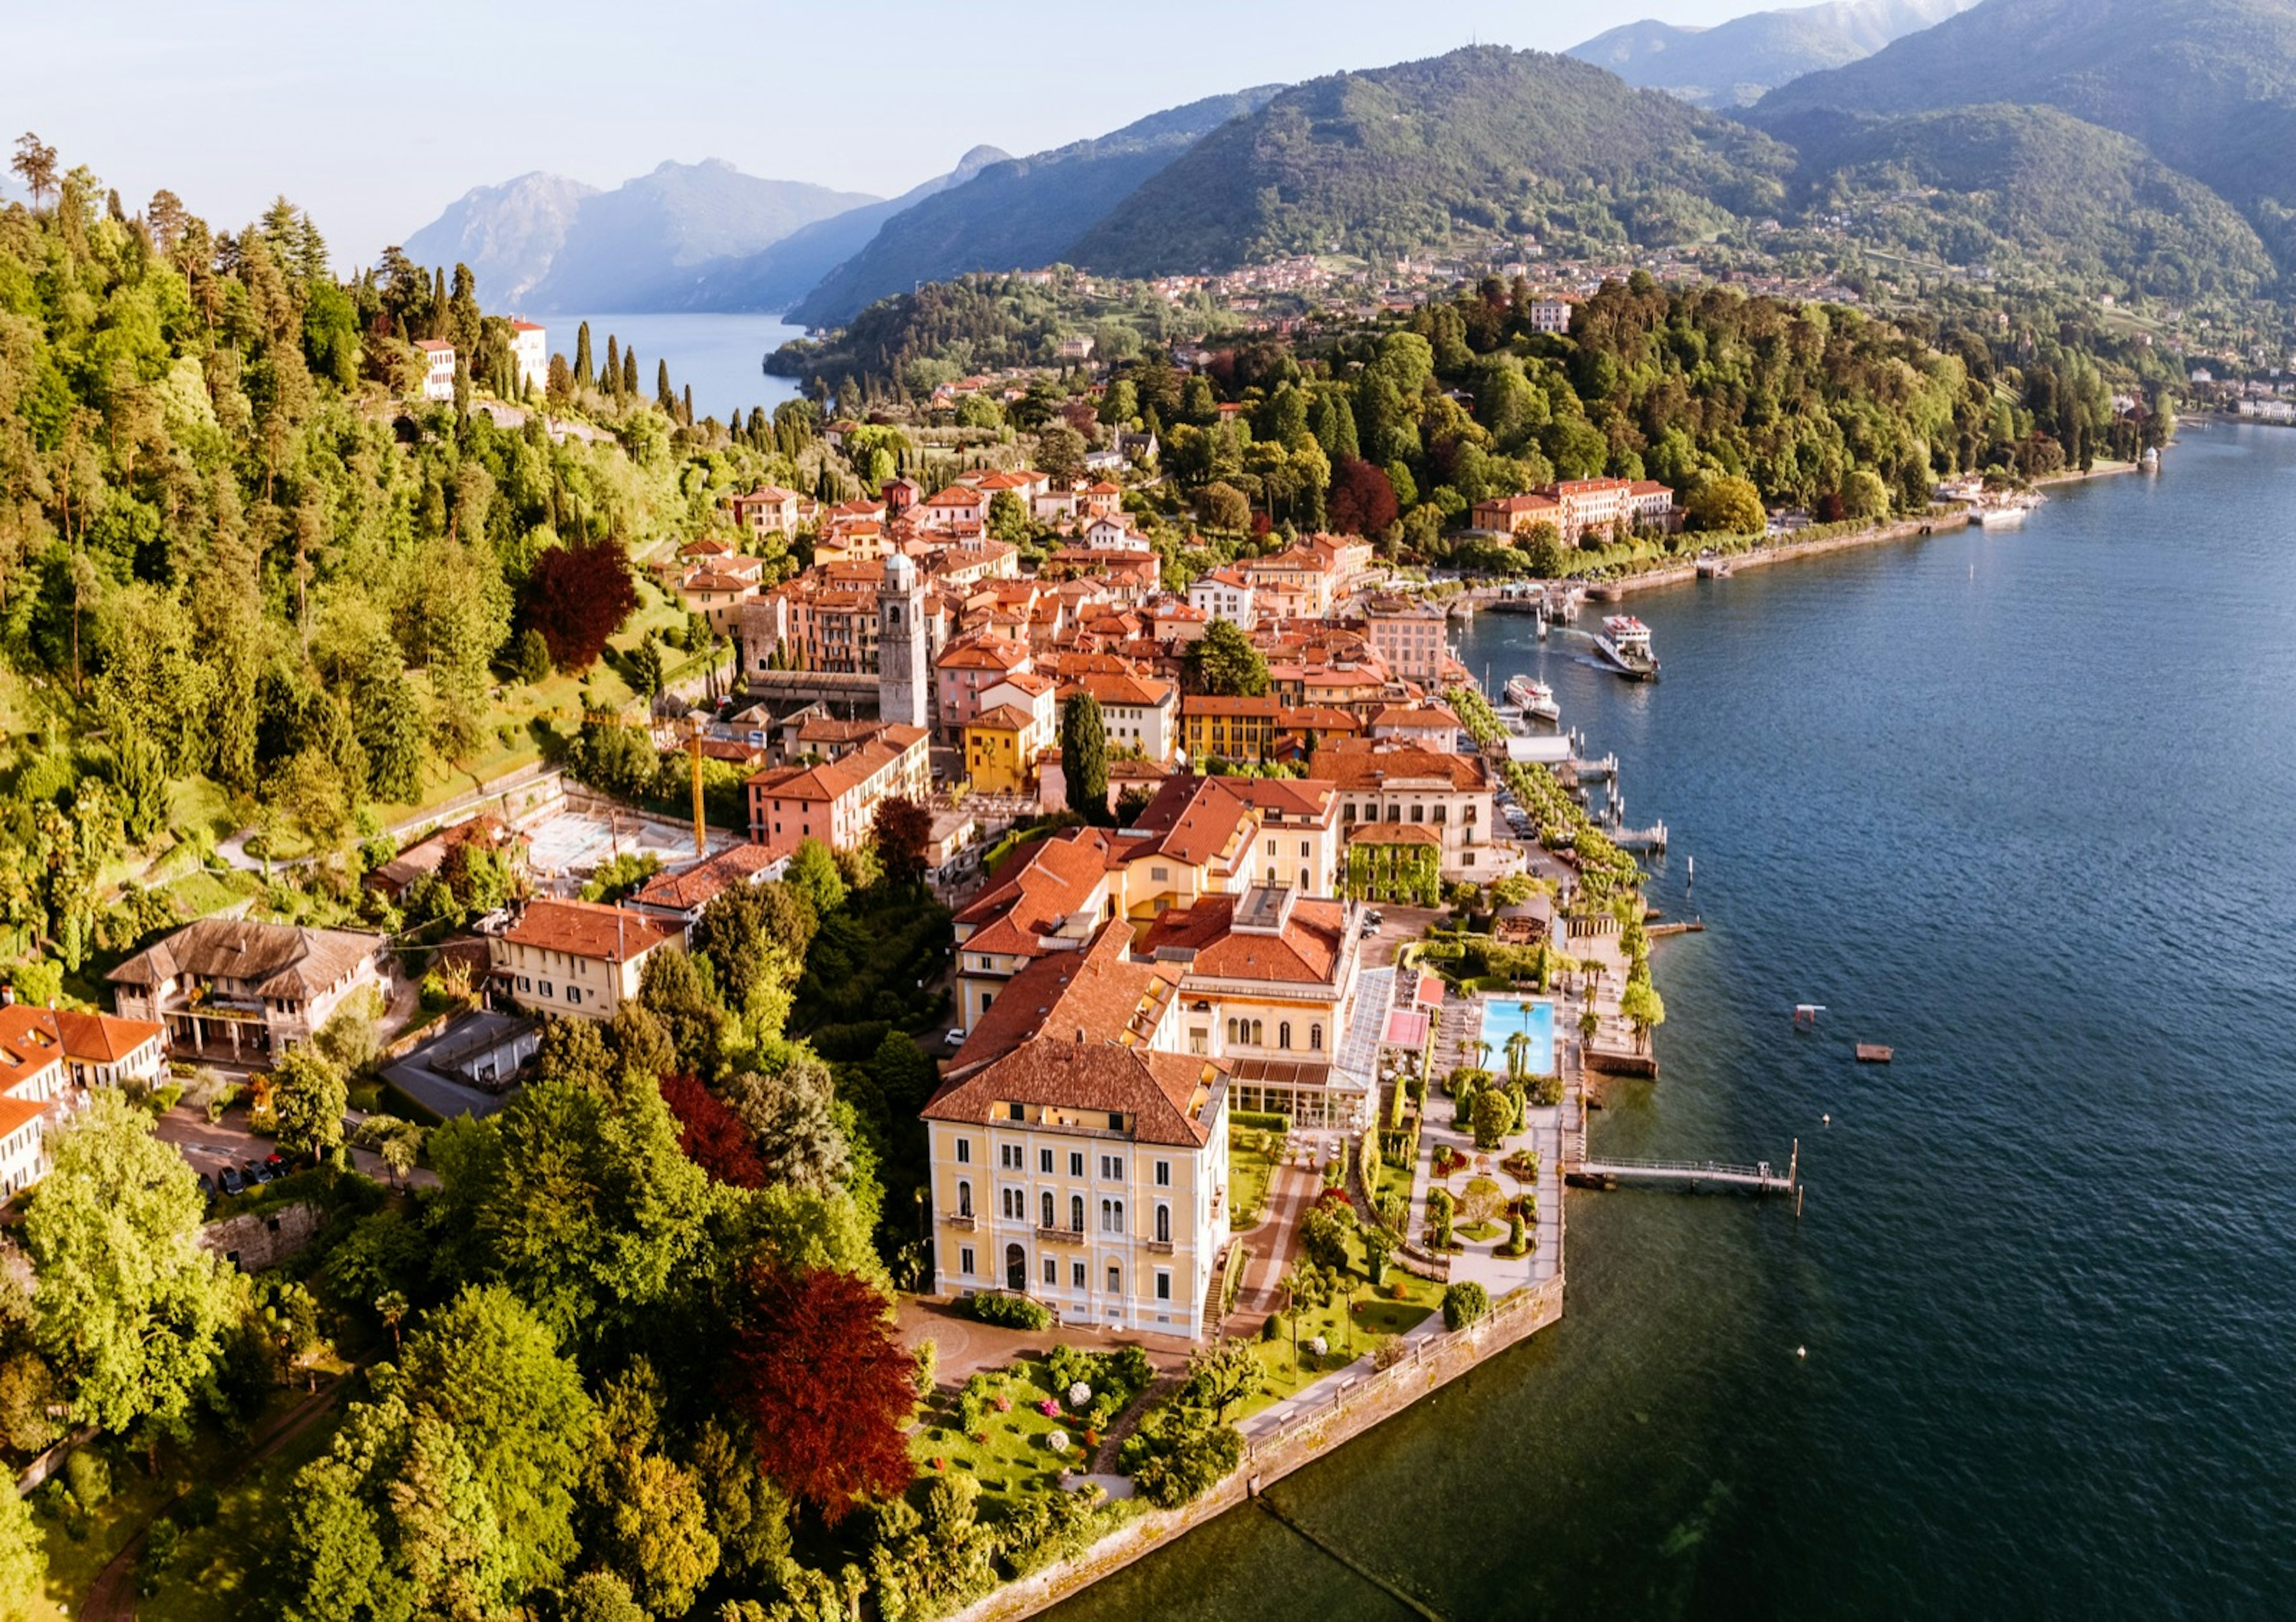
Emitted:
<point x="904" y="668"/>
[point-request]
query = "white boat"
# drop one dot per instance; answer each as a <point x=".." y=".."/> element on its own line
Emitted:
<point x="1625" y="646"/>
<point x="1533" y="697"/>
<point x="2006" y="512"/>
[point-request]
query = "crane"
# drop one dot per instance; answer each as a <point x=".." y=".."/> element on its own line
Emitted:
<point x="694" y="732"/>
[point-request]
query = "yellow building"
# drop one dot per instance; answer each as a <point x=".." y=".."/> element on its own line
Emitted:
<point x="576" y="957"/>
<point x="1229" y="729"/>
<point x="1076" y="1157"/>
<point x="1000" y="754"/>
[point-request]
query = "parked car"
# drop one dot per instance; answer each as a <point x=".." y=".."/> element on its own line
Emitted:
<point x="207" y="1186"/>
<point x="955" y="1039"/>
<point x="232" y="1182"/>
<point x="277" y="1162"/>
<point x="258" y="1173"/>
<point x="1375" y="917"/>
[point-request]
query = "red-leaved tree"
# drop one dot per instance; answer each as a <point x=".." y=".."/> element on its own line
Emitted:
<point x="829" y="1389"/>
<point x="579" y="595"/>
<point x="1362" y="501"/>
<point x="904" y="828"/>
<point x="712" y="1136"/>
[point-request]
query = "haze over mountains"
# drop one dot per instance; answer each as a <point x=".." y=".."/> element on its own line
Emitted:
<point x="2124" y="145"/>
<point x="1731" y="63"/>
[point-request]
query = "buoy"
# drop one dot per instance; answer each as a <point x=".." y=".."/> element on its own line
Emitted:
<point x="1802" y="1351"/>
<point x="1826" y="1119"/>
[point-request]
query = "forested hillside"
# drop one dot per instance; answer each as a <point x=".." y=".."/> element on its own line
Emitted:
<point x="2207" y="86"/>
<point x="241" y="581"/>
<point x="1484" y="140"/>
<point x="1018" y="214"/>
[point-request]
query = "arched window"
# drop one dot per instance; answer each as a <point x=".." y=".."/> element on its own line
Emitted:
<point x="1258" y="1034"/>
<point x="1283" y="1035"/>
<point x="1075" y="1212"/>
<point x="1163" y="1224"/>
<point x="1107" y="1218"/>
<point x="1315" y="1037"/>
<point x="964" y="1199"/>
<point x="1048" y="1209"/>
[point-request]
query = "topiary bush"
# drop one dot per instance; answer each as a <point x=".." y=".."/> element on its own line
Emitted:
<point x="1009" y="1311"/>
<point x="1464" y="1304"/>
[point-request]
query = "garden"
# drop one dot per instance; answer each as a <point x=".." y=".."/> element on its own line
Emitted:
<point x="1015" y="1430"/>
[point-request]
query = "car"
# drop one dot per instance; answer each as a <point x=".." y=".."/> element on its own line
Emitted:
<point x="1375" y="917"/>
<point x="207" y="1186"/>
<point x="277" y="1162"/>
<point x="955" y="1039"/>
<point x="232" y="1182"/>
<point x="259" y="1174"/>
<point x="1368" y="930"/>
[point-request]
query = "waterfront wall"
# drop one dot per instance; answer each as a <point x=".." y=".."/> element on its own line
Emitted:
<point x="1354" y="1406"/>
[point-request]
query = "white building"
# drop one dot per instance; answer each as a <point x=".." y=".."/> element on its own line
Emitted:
<point x="529" y="354"/>
<point x="438" y="374"/>
<point x="1223" y="594"/>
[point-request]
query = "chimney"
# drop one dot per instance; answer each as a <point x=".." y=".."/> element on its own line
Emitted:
<point x="1080" y="1036"/>
<point x="7" y="994"/>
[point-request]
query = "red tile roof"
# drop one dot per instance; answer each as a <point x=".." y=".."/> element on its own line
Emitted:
<point x="584" y="929"/>
<point x="1308" y="952"/>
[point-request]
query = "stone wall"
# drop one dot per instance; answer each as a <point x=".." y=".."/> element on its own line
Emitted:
<point x="1354" y="1406"/>
<point x="259" y="1238"/>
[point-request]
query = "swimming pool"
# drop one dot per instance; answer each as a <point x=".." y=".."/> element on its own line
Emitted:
<point x="1502" y="1016"/>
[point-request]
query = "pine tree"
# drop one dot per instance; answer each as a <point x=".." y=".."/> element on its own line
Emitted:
<point x="583" y="377"/>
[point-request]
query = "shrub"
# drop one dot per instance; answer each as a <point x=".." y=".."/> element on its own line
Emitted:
<point x="1546" y="1091"/>
<point x="166" y="1097"/>
<point x="1464" y="1304"/>
<point x="1178" y="1453"/>
<point x="1515" y="1245"/>
<point x="88" y="1475"/>
<point x="1389" y="1353"/>
<point x="1494" y="1116"/>
<point x="1011" y="1312"/>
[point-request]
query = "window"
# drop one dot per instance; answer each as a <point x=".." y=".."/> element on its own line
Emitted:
<point x="546" y="989"/>
<point x="1112" y="1167"/>
<point x="1044" y="1161"/>
<point x="1115" y="1279"/>
<point x="574" y="994"/>
<point x="1394" y="813"/>
<point x="1014" y="1209"/>
<point x="1163" y="1174"/>
<point x="964" y="1201"/>
<point x="1075" y="1213"/>
<point x="964" y="1259"/>
<point x="1019" y="1112"/>
<point x="1419" y="813"/>
<point x="1303" y="848"/>
<point x="1047" y="1208"/>
<point x="1163" y="1224"/>
<point x="1441" y="813"/>
<point x="524" y="984"/>
<point x="1271" y="847"/>
<point x="964" y="1151"/>
<point x="1258" y="1036"/>
<point x="1075" y="1163"/>
<point x="1315" y="1037"/>
<point x="1234" y="1027"/>
<point x="1112" y="1217"/>
<point x="1283" y="1034"/>
<point x="1051" y="1271"/>
<point x="1008" y="1156"/>
<point x="1163" y="1285"/>
<point x="1199" y="1041"/>
<point x="1075" y="1274"/>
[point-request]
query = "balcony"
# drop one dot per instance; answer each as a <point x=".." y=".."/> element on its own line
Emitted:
<point x="1159" y="1247"/>
<point x="953" y="1219"/>
<point x="1060" y="1236"/>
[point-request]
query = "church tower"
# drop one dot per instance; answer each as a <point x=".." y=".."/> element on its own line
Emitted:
<point x="904" y="668"/>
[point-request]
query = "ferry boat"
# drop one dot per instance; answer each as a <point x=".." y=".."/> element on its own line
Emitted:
<point x="1625" y="646"/>
<point x="1533" y="697"/>
<point x="2006" y="512"/>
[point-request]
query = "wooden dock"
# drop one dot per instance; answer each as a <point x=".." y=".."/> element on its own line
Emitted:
<point x="1762" y="1178"/>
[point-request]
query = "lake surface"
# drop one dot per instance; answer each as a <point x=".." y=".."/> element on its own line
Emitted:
<point x="722" y="357"/>
<point x="2023" y="806"/>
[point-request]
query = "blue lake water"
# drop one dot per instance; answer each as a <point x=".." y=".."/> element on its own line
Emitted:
<point x="722" y="357"/>
<point x="2021" y="805"/>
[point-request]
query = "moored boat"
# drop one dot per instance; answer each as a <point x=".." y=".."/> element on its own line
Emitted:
<point x="1625" y="645"/>
<point x="1533" y="697"/>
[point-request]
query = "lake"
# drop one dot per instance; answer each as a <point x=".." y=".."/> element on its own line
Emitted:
<point x="2021" y="805"/>
<point x="722" y="357"/>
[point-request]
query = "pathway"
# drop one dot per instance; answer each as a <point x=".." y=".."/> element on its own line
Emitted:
<point x="1291" y="1190"/>
<point x="111" y="1597"/>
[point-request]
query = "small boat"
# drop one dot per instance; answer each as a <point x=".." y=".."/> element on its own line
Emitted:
<point x="1625" y="645"/>
<point x="1874" y="1053"/>
<point x="1533" y="697"/>
<point x="2006" y="512"/>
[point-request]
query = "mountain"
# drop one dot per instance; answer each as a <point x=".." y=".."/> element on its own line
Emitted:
<point x="1483" y="140"/>
<point x="2026" y="186"/>
<point x="778" y="277"/>
<point x="2208" y="86"/>
<point x="1026" y="211"/>
<point x="547" y="242"/>
<point x="508" y="234"/>
<point x="1731" y="63"/>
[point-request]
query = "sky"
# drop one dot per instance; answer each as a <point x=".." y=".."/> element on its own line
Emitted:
<point x="376" y="118"/>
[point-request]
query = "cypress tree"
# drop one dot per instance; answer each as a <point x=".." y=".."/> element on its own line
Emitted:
<point x="583" y="378"/>
<point x="685" y="414"/>
<point x="630" y="374"/>
<point x="610" y="379"/>
<point x="1084" y="759"/>
<point x="661" y="390"/>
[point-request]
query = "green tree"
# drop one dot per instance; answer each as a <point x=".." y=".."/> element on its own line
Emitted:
<point x="130" y="1307"/>
<point x="1223" y="663"/>
<point x="1084" y="759"/>
<point x="1324" y="1233"/>
<point x="1464" y="1304"/>
<point x="599" y="1596"/>
<point x="813" y="873"/>
<point x="308" y="1095"/>
<point x="23" y="1555"/>
<point x="1060" y="453"/>
<point x="1727" y="506"/>
<point x="1643" y="1006"/>
<point x="1223" y="1374"/>
<point x="533" y="657"/>
<point x="1008" y="520"/>
<point x="1493" y="1117"/>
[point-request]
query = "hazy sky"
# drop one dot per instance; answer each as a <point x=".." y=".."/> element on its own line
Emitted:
<point x="375" y="116"/>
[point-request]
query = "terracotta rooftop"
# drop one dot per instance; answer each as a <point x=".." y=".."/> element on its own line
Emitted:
<point x="1192" y="819"/>
<point x="702" y="882"/>
<point x="584" y="929"/>
<point x="1308" y="950"/>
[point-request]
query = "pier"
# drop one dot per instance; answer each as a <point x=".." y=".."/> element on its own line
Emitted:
<point x="1651" y="838"/>
<point x="1611" y="1172"/>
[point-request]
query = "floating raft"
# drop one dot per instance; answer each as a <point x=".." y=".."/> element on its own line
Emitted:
<point x="1874" y="1053"/>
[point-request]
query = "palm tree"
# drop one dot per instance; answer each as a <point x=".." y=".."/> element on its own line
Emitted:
<point x="1517" y="1052"/>
<point x="391" y="1307"/>
<point x="1480" y="1049"/>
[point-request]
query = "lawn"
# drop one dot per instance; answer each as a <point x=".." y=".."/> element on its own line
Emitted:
<point x="74" y="1563"/>
<point x="1250" y="1162"/>
<point x="209" y="1581"/>
<point x="1014" y="1460"/>
<point x="1348" y="1334"/>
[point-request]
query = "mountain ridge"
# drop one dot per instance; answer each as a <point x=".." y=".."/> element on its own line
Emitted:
<point x="1731" y="63"/>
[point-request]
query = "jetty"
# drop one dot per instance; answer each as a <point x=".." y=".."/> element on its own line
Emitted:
<point x="1651" y="838"/>
<point x="1613" y="1172"/>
